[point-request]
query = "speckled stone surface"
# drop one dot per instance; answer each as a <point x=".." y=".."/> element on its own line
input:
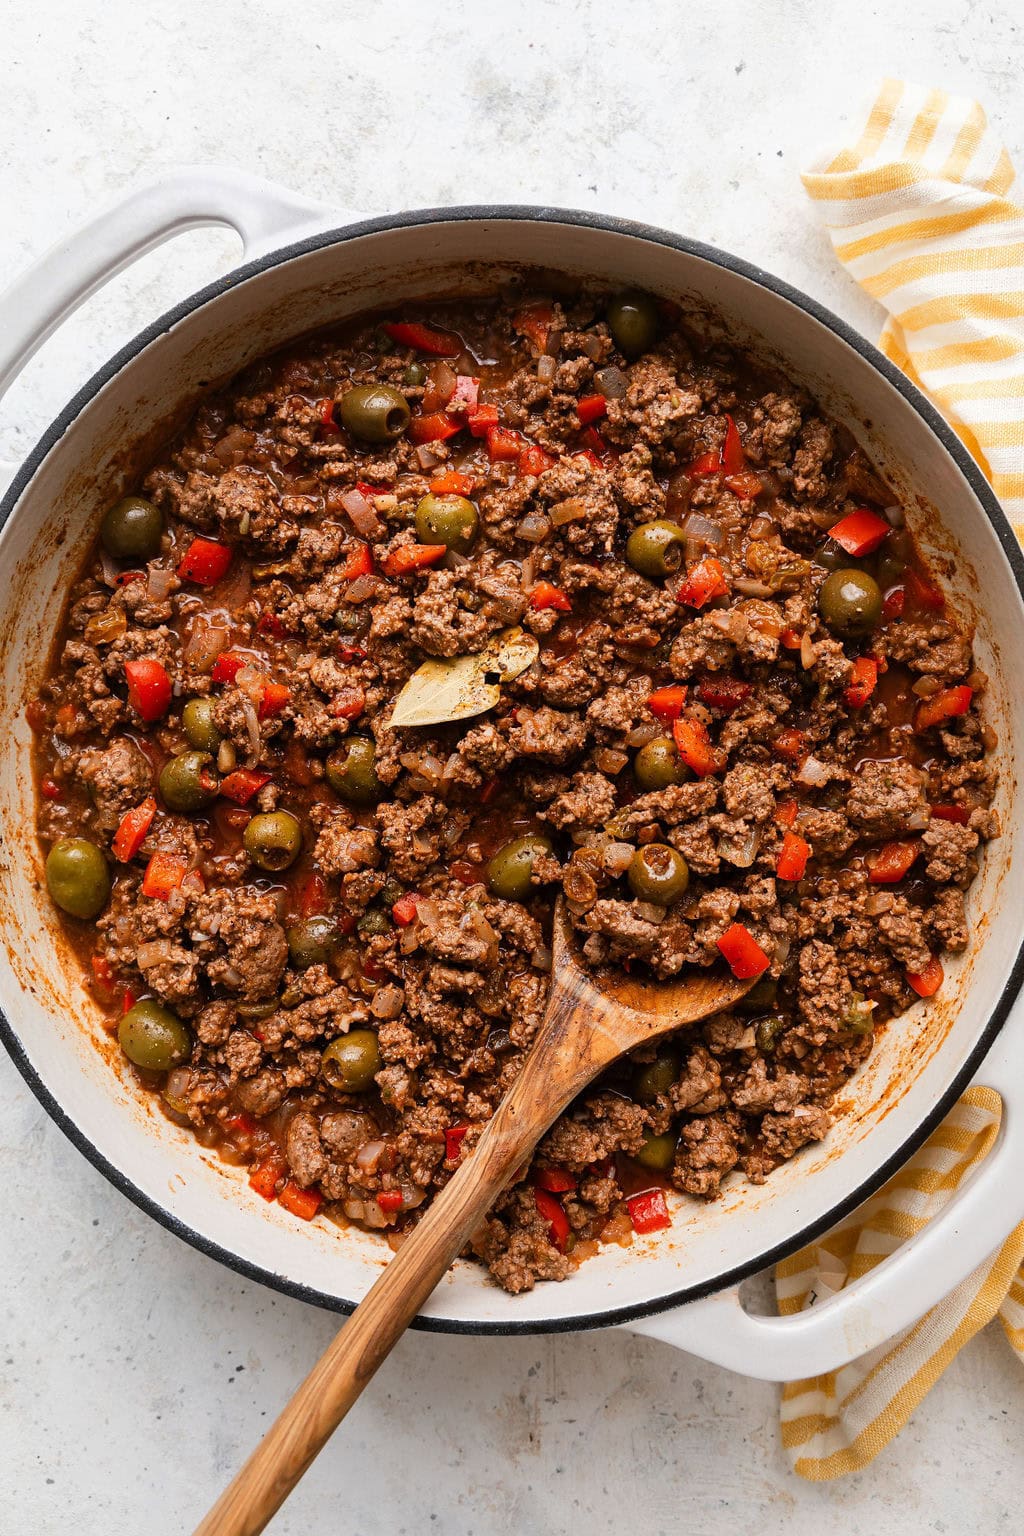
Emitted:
<point x="135" y="1374"/>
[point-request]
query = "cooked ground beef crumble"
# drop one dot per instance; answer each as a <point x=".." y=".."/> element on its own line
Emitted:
<point x="737" y="687"/>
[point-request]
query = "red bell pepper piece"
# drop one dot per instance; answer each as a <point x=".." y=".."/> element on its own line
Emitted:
<point x="746" y="485"/>
<point x="694" y="747"/>
<point x="862" y="682"/>
<point x="725" y="693"/>
<point x="303" y="1203"/>
<point x="558" y="1222"/>
<point x="666" y="704"/>
<point x="793" y="856"/>
<point x="349" y="703"/>
<point x="149" y="688"/>
<point x="242" y="1124"/>
<point x="131" y="833"/>
<point x="534" y="322"/>
<point x="128" y="1000"/>
<point x="372" y="491"/>
<point x="390" y="1201"/>
<point x="706" y="464"/>
<point x="790" y="640"/>
<point x="790" y="744"/>
<point x="264" y="1178"/>
<point x="453" y="483"/>
<point x="206" y="562"/>
<point x="704" y="581"/>
<point x="923" y="590"/>
<point x="413" y="557"/>
<point x="164" y="873"/>
<point x="591" y="457"/>
<point x="957" y="813"/>
<point x="504" y="443"/>
<point x="50" y="789"/>
<point x="434" y="428"/>
<point x="861" y="532"/>
<point x="534" y="461"/>
<point x="557" y="1181"/>
<point x="465" y="395"/>
<point x="273" y="700"/>
<point x="327" y="415"/>
<point x="927" y="982"/>
<point x="423" y="338"/>
<point x="228" y="665"/>
<point x="482" y="420"/>
<point x="943" y="706"/>
<point x="454" y="1136"/>
<point x="127" y="576"/>
<point x="467" y="873"/>
<point x="404" y="909"/>
<point x="734" y="460"/>
<point x="744" y="954"/>
<point x="594" y="443"/>
<point x="241" y="785"/>
<point x="358" y="562"/>
<point x="648" y="1210"/>
<point x="313" y="896"/>
<point x="891" y="862"/>
<point x="546" y="595"/>
<point x="894" y="603"/>
<point x="786" y="812"/>
<point x="102" y="971"/>
<point x="591" y="408"/>
<point x="270" y="624"/>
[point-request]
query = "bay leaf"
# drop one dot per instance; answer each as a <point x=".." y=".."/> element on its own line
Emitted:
<point x="458" y="687"/>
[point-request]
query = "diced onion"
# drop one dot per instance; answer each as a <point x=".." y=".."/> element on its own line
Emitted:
<point x="571" y="510"/>
<point x="105" y="627"/>
<point x="704" y="529"/>
<point x="617" y="857"/>
<point x="362" y="514"/>
<point x="592" y="346"/>
<point x="814" y="773"/>
<point x="640" y="735"/>
<point x="109" y="569"/>
<point x="363" y="587"/>
<point x="369" y="1155"/>
<point x="611" y="382"/>
<point x="159" y="582"/>
<point x="750" y="587"/>
<point x="740" y="850"/>
<point x="534" y="527"/>
<point x="204" y="645"/>
<point x="547" y="367"/>
<point x="895" y="516"/>
<point x="808" y="651"/>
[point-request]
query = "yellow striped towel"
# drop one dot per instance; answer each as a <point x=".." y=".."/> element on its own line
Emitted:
<point x="917" y="210"/>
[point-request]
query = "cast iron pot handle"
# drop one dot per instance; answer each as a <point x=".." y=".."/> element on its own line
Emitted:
<point x="263" y="214"/>
<point x="899" y="1291"/>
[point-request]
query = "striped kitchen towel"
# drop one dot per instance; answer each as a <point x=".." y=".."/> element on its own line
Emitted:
<point x="917" y="208"/>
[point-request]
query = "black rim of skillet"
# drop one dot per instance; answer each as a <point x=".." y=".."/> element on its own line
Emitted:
<point x="649" y="234"/>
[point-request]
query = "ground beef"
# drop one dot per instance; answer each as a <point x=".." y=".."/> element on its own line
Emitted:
<point x="397" y="934"/>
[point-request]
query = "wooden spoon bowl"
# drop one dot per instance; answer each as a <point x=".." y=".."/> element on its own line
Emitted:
<point x="590" y="1021"/>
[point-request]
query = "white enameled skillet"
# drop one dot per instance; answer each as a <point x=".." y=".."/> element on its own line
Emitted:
<point x="306" y="266"/>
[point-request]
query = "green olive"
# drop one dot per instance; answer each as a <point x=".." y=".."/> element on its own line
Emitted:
<point x="375" y="413"/>
<point x="374" y="921"/>
<point x="414" y="375"/>
<point x="850" y="602"/>
<point x="77" y="877"/>
<point x="312" y="942"/>
<point x="893" y="558"/>
<point x="132" y="529"/>
<point x="656" y="549"/>
<point x="657" y="1152"/>
<point x="351" y="1062"/>
<point x="657" y="873"/>
<point x="658" y="764"/>
<point x="767" y="1032"/>
<point x="509" y="873"/>
<point x="633" y="321"/>
<point x="833" y="557"/>
<point x="762" y="995"/>
<point x="273" y="840"/>
<point x="448" y="520"/>
<point x="197" y="723"/>
<point x="655" y="1077"/>
<point x="352" y="773"/>
<point x="187" y="782"/>
<point x="153" y="1037"/>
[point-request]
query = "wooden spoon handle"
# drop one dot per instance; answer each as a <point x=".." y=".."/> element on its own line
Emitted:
<point x="365" y="1341"/>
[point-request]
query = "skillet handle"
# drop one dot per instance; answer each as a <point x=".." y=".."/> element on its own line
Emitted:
<point x="264" y="216"/>
<point x="896" y="1293"/>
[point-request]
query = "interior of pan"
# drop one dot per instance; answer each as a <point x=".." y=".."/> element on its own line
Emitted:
<point x="90" y="456"/>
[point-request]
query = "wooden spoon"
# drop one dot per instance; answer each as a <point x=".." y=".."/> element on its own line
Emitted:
<point x="590" y="1021"/>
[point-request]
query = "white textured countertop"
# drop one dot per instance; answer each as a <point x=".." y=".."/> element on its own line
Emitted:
<point x="134" y="1374"/>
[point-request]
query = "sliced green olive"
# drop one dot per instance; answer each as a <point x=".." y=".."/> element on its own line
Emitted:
<point x="762" y="995"/>
<point x="312" y="941"/>
<point x="77" y="877"/>
<point x="633" y="321"/>
<point x="273" y="840"/>
<point x="767" y="1032"/>
<point x="374" y="413"/>
<point x="153" y="1037"/>
<point x="658" y="873"/>
<point x="658" y="764"/>
<point x="187" y="782"/>
<point x="655" y="1077"/>
<point x="132" y="529"/>
<point x="656" y="549"/>
<point x="374" y="921"/>
<point x="448" y="520"/>
<point x="352" y="772"/>
<point x="197" y="723"/>
<point x="351" y="1062"/>
<point x="657" y="1152"/>
<point x="850" y="602"/>
<point x="509" y="873"/>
